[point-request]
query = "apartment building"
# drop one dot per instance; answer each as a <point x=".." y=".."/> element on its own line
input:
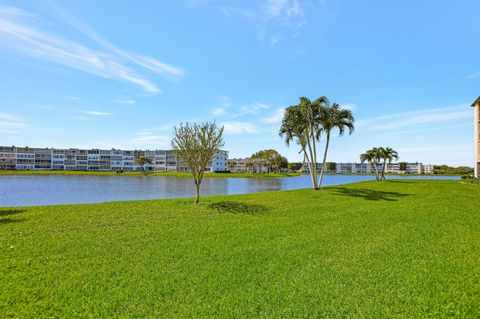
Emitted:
<point x="367" y="168"/>
<point x="238" y="165"/>
<point x="26" y="158"/>
<point x="476" y="123"/>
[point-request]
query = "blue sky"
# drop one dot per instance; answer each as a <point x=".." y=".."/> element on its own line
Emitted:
<point x="121" y="73"/>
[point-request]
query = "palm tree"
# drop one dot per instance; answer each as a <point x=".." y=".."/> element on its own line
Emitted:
<point x="330" y="118"/>
<point x="371" y="156"/>
<point x="300" y="123"/>
<point x="388" y="154"/>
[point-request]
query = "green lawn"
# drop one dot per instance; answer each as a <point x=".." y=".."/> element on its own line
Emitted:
<point x="395" y="249"/>
<point x="174" y="174"/>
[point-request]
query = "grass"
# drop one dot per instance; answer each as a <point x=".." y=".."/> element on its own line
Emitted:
<point x="394" y="249"/>
<point x="174" y="174"/>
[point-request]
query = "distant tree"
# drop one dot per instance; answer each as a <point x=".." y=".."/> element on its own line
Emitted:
<point x="270" y="159"/>
<point x="333" y="117"/>
<point x="331" y="166"/>
<point x="388" y="154"/>
<point x="445" y="169"/>
<point x="141" y="161"/>
<point x="297" y="166"/>
<point x="195" y="145"/>
<point x="372" y="157"/>
<point x="402" y="167"/>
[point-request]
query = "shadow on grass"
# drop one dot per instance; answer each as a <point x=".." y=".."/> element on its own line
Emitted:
<point x="368" y="194"/>
<point x="10" y="212"/>
<point x="11" y="220"/>
<point x="399" y="181"/>
<point x="238" y="208"/>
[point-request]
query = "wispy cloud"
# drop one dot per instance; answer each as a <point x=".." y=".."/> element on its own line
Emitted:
<point x="252" y="108"/>
<point x="18" y="31"/>
<point x="75" y="98"/>
<point x="225" y="103"/>
<point x="276" y="117"/>
<point x="149" y="138"/>
<point x="415" y="118"/>
<point x="126" y="101"/>
<point x="11" y="124"/>
<point x="96" y="113"/>
<point x="275" y="17"/>
<point x="227" y="110"/>
<point x="474" y="75"/>
<point x="240" y="128"/>
<point x="147" y="62"/>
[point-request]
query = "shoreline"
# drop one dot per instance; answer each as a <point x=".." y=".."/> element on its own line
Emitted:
<point x="187" y="175"/>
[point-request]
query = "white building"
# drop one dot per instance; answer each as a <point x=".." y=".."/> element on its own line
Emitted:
<point x="26" y="158"/>
<point x="367" y="168"/>
<point x="476" y="138"/>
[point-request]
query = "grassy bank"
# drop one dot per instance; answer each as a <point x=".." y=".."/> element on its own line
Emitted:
<point x="173" y="174"/>
<point x="403" y="249"/>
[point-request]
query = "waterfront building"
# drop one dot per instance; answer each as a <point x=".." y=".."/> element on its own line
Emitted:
<point x="367" y="168"/>
<point x="476" y="136"/>
<point x="72" y="159"/>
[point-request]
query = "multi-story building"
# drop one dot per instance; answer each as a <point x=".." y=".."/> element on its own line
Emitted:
<point x="367" y="168"/>
<point x="427" y="169"/>
<point x="476" y="139"/>
<point x="238" y="165"/>
<point x="26" y="158"/>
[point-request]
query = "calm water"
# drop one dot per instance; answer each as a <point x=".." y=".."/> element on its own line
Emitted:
<point x="24" y="190"/>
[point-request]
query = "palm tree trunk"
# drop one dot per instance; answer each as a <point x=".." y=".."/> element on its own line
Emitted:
<point x="375" y="170"/>
<point x="314" y="147"/>
<point x="324" y="158"/>
<point x="305" y="156"/>
<point x="383" y="169"/>
<point x="313" y="163"/>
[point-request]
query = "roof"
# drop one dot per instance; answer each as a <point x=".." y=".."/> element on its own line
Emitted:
<point x="477" y="101"/>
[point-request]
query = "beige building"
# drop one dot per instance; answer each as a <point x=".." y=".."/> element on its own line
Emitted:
<point x="476" y="117"/>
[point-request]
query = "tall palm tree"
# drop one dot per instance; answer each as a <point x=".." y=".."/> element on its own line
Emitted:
<point x="332" y="117"/>
<point x="388" y="154"/>
<point x="371" y="156"/>
<point x="300" y="124"/>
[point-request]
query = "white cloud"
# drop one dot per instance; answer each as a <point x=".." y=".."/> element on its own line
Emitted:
<point x="11" y="124"/>
<point x="149" y="138"/>
<point x="126" y="101"/>
<point x="17" y="31"/>
<point x="72" y="98"/>
<point x="144" y="61"/>
<point x="415" y="118"/>
<point x="251" y="109"/>
<point x="240" y="128"/>
<point x="225" y="103"/>
<point x="473" y="75"/>
<point x="274" y="39"/>
<point x="276" y="117"/>
<point x="97" y="113"/>
<point x="272" y="15"/>
<point x="219" y="111"/>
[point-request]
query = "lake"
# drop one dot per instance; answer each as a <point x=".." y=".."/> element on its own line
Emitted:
<point x="30" y="190"/>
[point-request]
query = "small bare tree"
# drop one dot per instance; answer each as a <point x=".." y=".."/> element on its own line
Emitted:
<point x="195" y="145"/>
